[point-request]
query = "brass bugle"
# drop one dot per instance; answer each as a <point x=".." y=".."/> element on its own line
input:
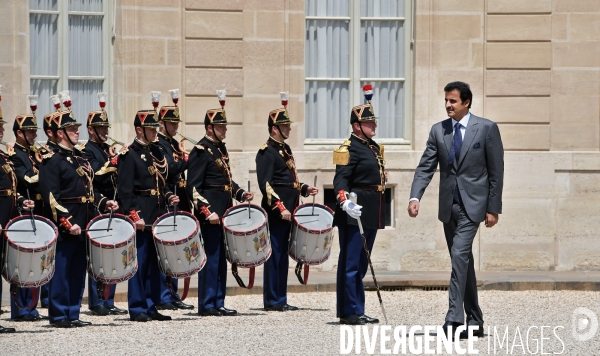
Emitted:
<point x="115" y="142"/>
<point x="192" y="141"/>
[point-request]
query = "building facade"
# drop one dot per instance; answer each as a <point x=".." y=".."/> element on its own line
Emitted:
<point x="533" y="66"/>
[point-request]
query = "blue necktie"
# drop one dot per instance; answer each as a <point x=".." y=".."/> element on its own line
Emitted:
<point x="454" y="155"/>
<point x="456" y="145"/>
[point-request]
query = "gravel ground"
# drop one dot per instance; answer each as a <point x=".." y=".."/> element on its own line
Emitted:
<point x="313" y="330"/>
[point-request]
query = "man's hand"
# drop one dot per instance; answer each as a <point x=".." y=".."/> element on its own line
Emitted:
<point x="286" y="215"/>
<point x="214" y="219"/>
<point x="491" y="219"/>
<point x="413" y="208"/>
<point x="312" y="190"/>
<point x="140" y="224"/>
<point x="248" y="196"/>
<point x="352" y="209"/>
<point x="112" y="205"/>
<point x="173" y="199"/>
<point x="28" y="205"/>
<point x="75" y="230"/>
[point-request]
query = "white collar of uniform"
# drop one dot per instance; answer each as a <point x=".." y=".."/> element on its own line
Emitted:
<point x="464" y="121"/>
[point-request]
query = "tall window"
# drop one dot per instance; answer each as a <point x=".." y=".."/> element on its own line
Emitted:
<point x="68" y="49"/>
<point x="350" y="43"/>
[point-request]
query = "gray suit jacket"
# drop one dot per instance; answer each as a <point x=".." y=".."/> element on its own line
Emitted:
<point x="478" y="173"/>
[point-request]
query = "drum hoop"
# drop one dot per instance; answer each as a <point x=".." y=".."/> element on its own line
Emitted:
<point x="30" y="284"/>
<point x="310" y="231"/>
<point x="106" y="245"/>
<point x="251" y="264"/>
<point x="310" y="262"/>
<point x="176" y="242"/>
<point x="185" y="274"/>
<point x="31" y="249"/>
<point x="245" y="232"/>
<point x="114" y="280"/>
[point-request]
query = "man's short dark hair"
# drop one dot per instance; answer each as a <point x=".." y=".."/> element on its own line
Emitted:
<point x="464" y="90"/>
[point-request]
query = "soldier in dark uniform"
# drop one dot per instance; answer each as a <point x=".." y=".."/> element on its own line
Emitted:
<point x="359" y="169"/>
<point x="26" y="166"/>
<point x="142" y="188"/>
<point x="212" y="188"/>
<point x="177" y="160"/>
<point x="9" y="198"/>
<point x="281" y="189"/>
<point x="99" y="153"/>
<point x="66" y="184"/>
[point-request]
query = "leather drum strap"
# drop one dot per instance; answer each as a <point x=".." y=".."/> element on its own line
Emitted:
<point x="35" y="294"/>
<point x="298" y="272"/>
<point x="186" y="288"/>
<point x="234" y="271"/>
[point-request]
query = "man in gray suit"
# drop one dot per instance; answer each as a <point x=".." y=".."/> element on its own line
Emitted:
<point x="469" y="152"/>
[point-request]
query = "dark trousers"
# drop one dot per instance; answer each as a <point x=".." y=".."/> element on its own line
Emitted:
<point x="212" y="279"/>
<point x="93" y="300"/>
<point x="460" y="232"/>
<point x="165" y="294"/>
<point x="352" y="268"/>
<point x="24" y="296"/>
<point x="276" y="267"/>
<point x="44" y="295"/>
<point x="67" y="285"/>
<point x="144" y="287"/>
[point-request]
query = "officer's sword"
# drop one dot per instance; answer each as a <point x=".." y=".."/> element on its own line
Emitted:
<point x="353" y="198"/>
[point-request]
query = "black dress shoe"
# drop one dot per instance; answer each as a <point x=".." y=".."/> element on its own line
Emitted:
<point x="62" y="323"/>
<point x="41" y="317"/>
<point x="476" y="332"/>
<point x="26" y="317"/>
<point x="276" y="307"/>
<point x="367" y="319"/>
<point x="290" y="307"/>
<point x="182" y="305"/>
<point x="141" y="317"/>
<point x="4" y="330"/>
<point x="100" y="310"/>
<point x="227" y="312"/>
<point x="114" y="310"/>
<point x="446" y="327"/>
<point x="351" y="319"/>
<point x="160" y="317"/>
<point x="166" y="306"/>
<point x="80" y="323"/>
<point x="211" y="312"/>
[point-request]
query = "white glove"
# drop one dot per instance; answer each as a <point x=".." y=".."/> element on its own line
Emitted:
<point x="352" y="209"/>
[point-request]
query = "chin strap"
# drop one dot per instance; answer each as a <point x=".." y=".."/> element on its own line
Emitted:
<point x="282" y="135"/>
<point x="69" y="137"/>
<point x="215" y="133"/>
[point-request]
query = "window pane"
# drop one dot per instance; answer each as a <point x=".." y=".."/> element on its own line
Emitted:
<point x="43" y="44"/>
<point x="382" y="49"/>
<point x="388" y="103"/>
<point x="85" y="45"/>
<point x="327" y="110"/>
<point x="382" y="8"/>
<point x="327" y="51"/>
<point x="328" y="8"/>
<point x="43" y="88"/>
<point x="43" y="5"/>
<point x="85" y="5"/>
<point x="84" y="96"/>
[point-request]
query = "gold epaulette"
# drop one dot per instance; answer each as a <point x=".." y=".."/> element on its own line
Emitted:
<point x="10" y="151"/>
<point x="199" y="146"/>
<point x="48" y="155"/>
<point x="124" y="150"/>
<point x="263" y="147"/>
<point x="80" y="147"/>
<point x="341" y="155"/>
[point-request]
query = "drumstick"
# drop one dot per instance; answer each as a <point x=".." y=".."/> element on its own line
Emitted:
<point x="31" y="212"/>
<point x="249" y="201"/>
<point x="111" y="212"/>
<point x="297" y="215"/>
<point x="175" y="209"/>
<point x="314" y="185"/>
<point x="95" y="230"/>
<point x="237" y="212"/>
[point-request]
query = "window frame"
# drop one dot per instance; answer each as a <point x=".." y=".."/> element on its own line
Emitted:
<point x="355" y="89"/>
<point x="63" y="76"/>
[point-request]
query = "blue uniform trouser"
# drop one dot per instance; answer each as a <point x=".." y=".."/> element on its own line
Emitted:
<point x="352" y="268"/>
<point x="67" y="285"/>
<point x="276" y="267"/>
<point x="24" y="295"/>
<point x="212" y="279"/>
<point x="93" y="300"/>
<point x="144" y="287"/>
<point x="44" y="295"/>
<point x="165" y="293"/>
